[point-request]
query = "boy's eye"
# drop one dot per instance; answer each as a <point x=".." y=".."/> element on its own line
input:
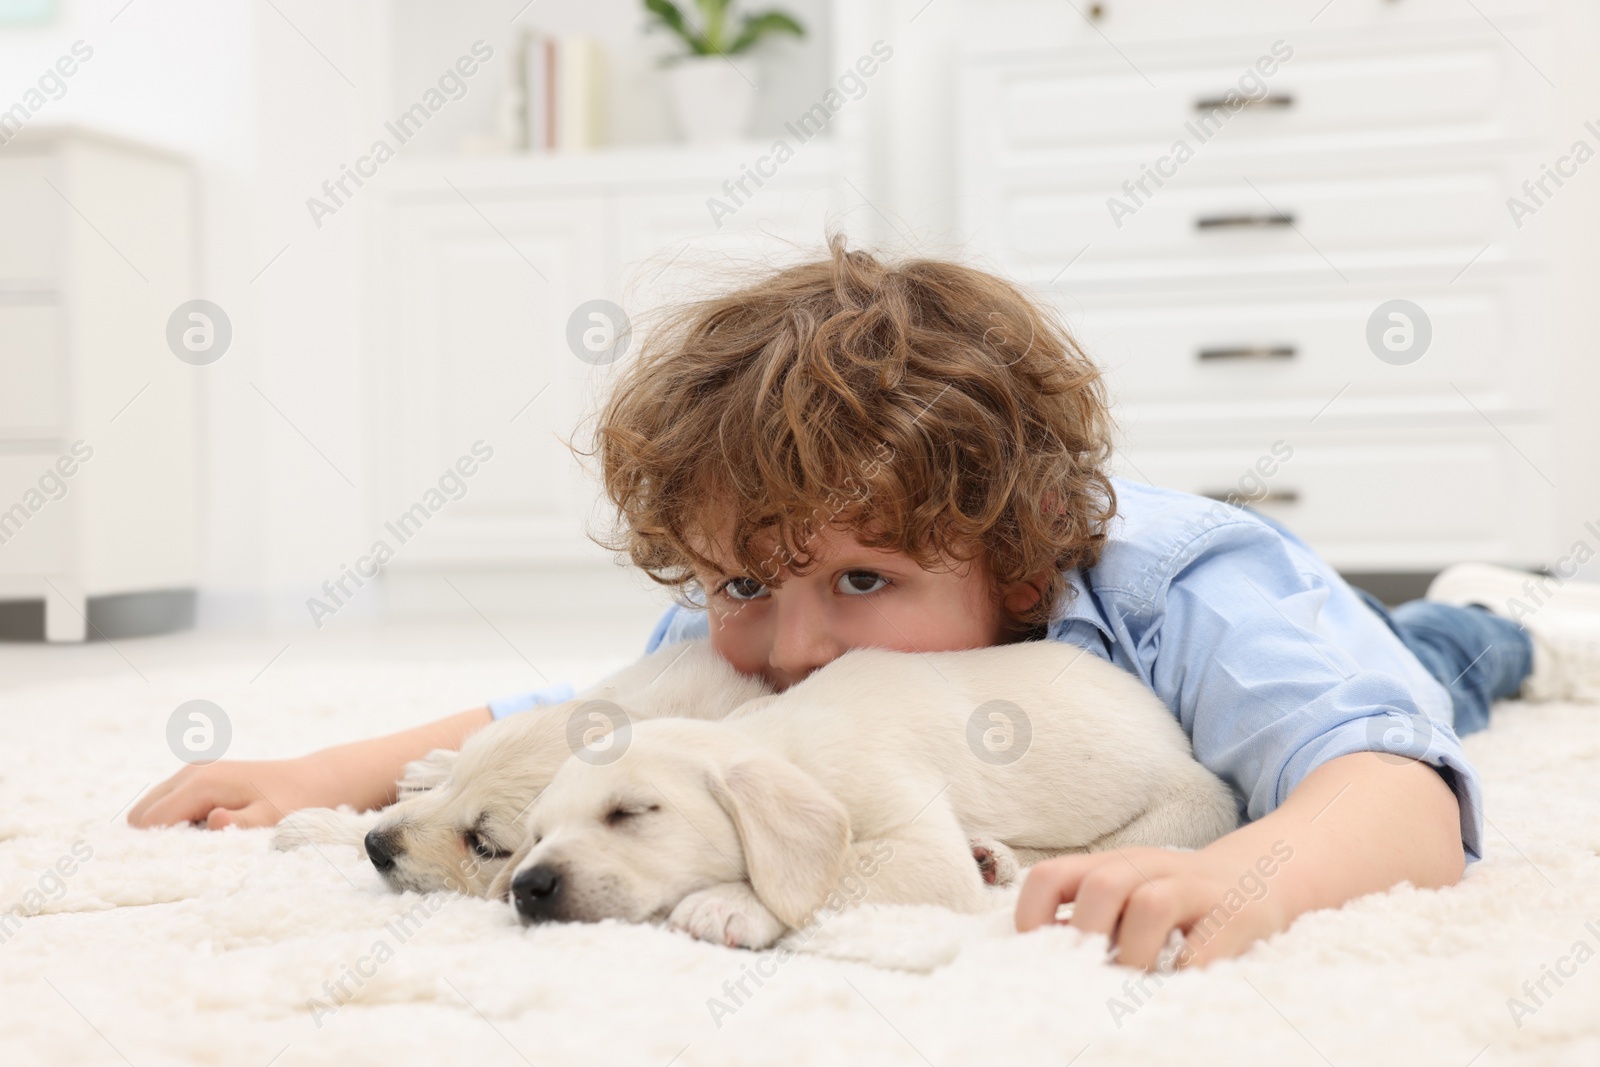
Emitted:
<point x="481" y="848"/>
<point x="741" y="588"/>
<point x="852" y="582"/>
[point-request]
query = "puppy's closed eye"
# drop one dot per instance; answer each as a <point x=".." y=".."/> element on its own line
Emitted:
<point x="482" y="847"/>
<point x="622" y="813"/>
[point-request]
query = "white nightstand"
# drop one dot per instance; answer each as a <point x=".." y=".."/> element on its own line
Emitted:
<point x="97" y="415"/>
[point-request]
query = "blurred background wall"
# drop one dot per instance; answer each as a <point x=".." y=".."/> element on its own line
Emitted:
<point x="382" y="329"/>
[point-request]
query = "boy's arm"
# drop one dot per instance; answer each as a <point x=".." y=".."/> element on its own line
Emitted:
<point x="260" y="792"/>
<point x="1357" y="824"/>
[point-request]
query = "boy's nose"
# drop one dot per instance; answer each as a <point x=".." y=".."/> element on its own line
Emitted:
<point x="801" y="643"/>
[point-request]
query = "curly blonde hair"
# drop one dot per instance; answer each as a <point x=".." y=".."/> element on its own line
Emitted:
<point x="921" y="406"/>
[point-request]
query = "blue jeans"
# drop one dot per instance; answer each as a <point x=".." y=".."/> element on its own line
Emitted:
<point x="1478" y="656"/>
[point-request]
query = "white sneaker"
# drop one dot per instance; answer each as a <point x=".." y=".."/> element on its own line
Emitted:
<point x="1562" y="616"/>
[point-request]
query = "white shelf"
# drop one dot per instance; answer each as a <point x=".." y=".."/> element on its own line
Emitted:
<point x="636" y="168"/>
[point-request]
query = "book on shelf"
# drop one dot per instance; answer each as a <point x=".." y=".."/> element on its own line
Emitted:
<point x="563" y="93"/>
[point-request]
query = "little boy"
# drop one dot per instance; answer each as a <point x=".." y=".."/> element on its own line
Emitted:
<point x="913" y="456"/>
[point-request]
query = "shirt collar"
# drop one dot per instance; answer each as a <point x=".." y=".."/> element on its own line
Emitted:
<point x="1077" y="604"/>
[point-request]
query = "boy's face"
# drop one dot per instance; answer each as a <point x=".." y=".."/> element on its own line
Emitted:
<point x="852" y="597"/>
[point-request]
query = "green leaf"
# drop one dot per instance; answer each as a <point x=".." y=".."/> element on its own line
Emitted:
<point x="714" y="20"/>
<point x="758" y="26"/>
<point x="667" y="14"/>
<point x="712" y="38"/>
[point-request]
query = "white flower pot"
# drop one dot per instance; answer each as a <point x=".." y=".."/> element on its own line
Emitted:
<point x="713" y="99"/>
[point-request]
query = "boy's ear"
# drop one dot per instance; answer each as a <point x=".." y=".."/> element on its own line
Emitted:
<point x="1018" y="597"/>
<point x="795" y="835"/>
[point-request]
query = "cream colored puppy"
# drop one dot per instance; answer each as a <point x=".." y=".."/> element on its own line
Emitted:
<point x="460" y="814"/>
<point x="879" y="770"/>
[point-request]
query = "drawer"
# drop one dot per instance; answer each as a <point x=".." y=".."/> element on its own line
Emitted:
<point x="1007" y="25"/>
<point x="30" y="399"/>
<point x="1378" y="499"/>
<point x="1320" y="227"/>
<point x="35" y="508"/>
<point x="1060" y="109"/>
<point x="31" y="236"/>
<point x="1267" y="351"/>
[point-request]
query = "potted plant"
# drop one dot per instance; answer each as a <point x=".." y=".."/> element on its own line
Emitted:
<point x="713" y="98"/>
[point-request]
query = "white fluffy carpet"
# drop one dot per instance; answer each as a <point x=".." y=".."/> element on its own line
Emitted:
<point x="182" y="946"/>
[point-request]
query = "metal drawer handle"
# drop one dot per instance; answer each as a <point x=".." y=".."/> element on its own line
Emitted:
<point x="1250" y="352"/>
<point x="1236" y="222"/>
<point x="1271" y="496"/>
<point x="1207" y="104"/>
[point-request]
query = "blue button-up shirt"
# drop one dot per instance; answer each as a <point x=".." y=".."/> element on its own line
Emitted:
<point x="1269" y="660"/>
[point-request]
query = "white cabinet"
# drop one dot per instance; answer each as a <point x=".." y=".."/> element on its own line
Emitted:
<point x="1219" y="198"/>
<point x="97" y="415"/>
<point x="472" y="348"/>
<point x="480" y="265"/>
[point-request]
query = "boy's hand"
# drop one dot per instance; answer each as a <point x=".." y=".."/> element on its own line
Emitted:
<point x="1138" y="896"/>
<point x="1335" y="837"/>
<point x="237" y="793"/>
<point x="260" y="792"/>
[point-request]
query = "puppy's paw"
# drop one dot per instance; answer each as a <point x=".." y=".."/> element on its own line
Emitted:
<point x="995" y="860"/>
<point x="728" y="914"/>
<point x="321" y="826"/>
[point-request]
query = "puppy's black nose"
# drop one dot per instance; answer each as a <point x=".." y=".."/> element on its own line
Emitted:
<point x="536" y="891"/>
<point x="379" y="850"/>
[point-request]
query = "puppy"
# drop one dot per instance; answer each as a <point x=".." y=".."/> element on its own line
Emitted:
<point x="459" y="814"/>
<point x="881" y="768"/>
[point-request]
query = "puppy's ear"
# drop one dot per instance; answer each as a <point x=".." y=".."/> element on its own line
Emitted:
<point x="795" y="835"/>
<point x="421" y="775"/>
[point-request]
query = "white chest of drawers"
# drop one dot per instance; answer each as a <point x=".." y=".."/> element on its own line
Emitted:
<point x="97" y="416"/>
<point x="1223" y="263"/>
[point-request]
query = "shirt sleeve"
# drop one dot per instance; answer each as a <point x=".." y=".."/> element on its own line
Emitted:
<point x="676" y="624"/>
<point x="1274" y="668"/>
<point x="550" y="694"/>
